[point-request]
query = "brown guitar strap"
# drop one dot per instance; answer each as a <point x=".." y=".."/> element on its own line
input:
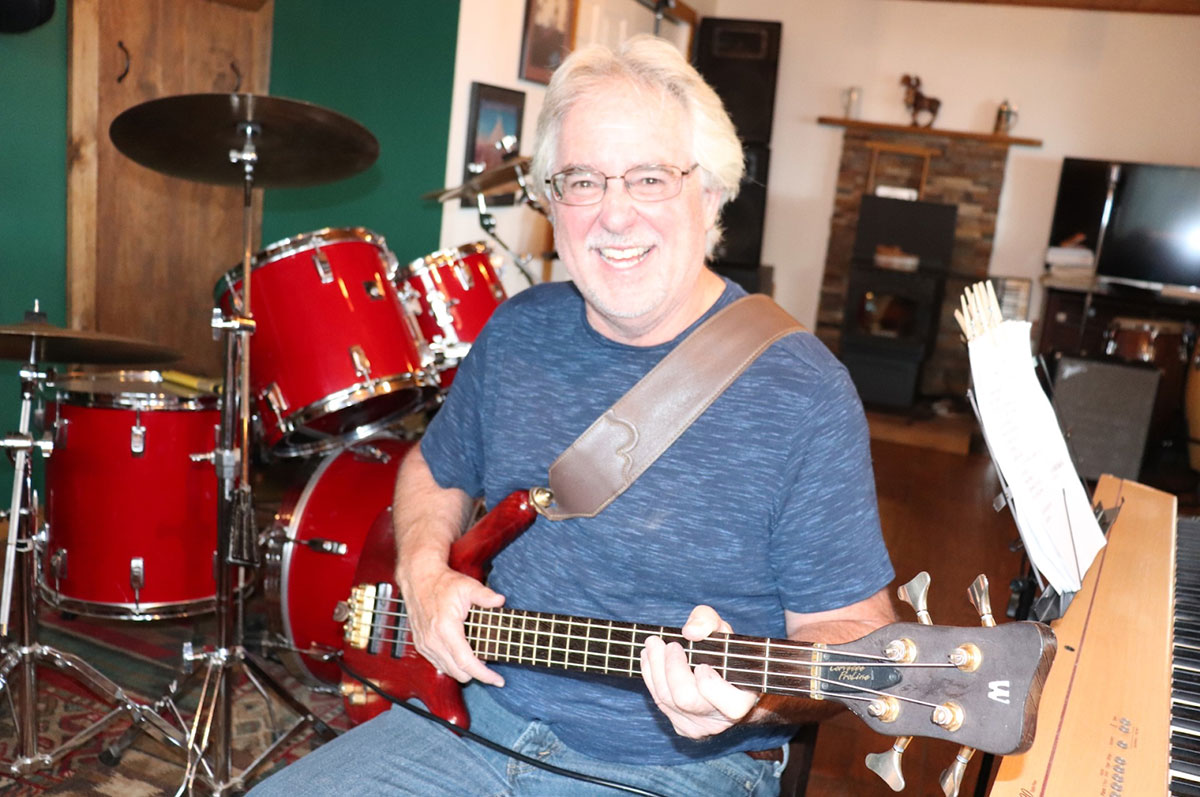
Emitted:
<point x="615" y="450"/>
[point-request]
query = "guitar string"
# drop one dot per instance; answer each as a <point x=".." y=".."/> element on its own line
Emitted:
<point x="859" y="659"/>
<point x="521" y="657"/>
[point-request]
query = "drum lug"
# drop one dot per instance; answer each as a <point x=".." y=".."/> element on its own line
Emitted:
<point x="464" y="275"/>
<point x="362" y="364"/>
<point x="137" y="575"/>
<point x="326" y="546"/>
<point x="275" y="400"/>
<point x="137" y="436"/>
<point x="60" y="432"/>
<point x="58" y="566"/>
<point x="374" y="289"/>
<point x="321" y="262"/>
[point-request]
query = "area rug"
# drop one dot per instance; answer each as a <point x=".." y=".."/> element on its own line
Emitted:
<point x="143" y="658"/>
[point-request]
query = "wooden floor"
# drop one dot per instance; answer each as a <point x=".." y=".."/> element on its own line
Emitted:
<point x="936" y="510"/>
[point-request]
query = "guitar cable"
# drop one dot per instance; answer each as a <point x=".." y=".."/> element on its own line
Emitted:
<point x="488" y="743"/>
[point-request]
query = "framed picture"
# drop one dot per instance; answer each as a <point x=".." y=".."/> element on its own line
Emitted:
<point x="547" y="38"/>
<point x="495" y="113"/>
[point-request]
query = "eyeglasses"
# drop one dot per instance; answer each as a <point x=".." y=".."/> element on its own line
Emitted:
<point x="650" y="183"/>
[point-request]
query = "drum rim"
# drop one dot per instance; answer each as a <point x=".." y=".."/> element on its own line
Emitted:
<point x="286" y="247"/>
<point x="425" y="384"/>
<point x="127" y="399"/>
<point x="424" y="263"/>
<point x="139" y="612"/>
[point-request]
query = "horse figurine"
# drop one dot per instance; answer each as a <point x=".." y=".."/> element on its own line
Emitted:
<point x="916" y="102"/>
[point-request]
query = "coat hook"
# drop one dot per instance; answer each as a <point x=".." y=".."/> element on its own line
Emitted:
<point x="128" y="60"/>
<point x="237" y="73"/>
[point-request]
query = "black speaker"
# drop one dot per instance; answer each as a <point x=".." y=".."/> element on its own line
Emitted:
<point x="743" y="217"/>
<point x="1104" y="408"/>
<point x="740" y="59"/>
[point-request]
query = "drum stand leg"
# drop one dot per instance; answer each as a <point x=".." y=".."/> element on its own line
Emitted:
<point x="209" y="737"/>
<point x="23" y="654"/>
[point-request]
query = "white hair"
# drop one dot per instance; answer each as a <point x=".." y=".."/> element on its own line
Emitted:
<point x="651" y="63"/>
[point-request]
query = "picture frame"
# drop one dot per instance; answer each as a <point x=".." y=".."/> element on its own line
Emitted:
<point x="494" y="112"/>
<point x="546" y="38"/>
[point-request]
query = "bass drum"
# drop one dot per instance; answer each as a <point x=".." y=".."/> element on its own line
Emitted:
<point x="315" y="542"/>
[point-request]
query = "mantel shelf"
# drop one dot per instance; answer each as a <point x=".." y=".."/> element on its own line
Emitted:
<point x="928" y="131"/>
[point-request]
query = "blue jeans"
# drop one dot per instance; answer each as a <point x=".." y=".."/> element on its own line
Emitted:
<point x="401" y="753"/>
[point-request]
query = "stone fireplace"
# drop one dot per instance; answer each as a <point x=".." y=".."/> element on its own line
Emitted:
<point x="962" y="169"/>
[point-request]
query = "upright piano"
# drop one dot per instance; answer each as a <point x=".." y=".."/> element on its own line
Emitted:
<point x="1120" y="713"/>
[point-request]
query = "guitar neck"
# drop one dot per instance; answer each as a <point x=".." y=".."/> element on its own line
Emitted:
<point x="609" y="647"/>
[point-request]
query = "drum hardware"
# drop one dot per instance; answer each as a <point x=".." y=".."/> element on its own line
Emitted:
<point x="137" y="436"/>
<point x="251" y="141"/>
<point x="324" y="270"/>
<point x="23" y="653"/>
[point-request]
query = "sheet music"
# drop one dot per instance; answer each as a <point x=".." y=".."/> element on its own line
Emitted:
<point x="1051" y="507"/>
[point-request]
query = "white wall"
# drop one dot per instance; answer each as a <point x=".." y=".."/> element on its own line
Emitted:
<point x="489" y="51"/>
<point x="1087" y="83"/>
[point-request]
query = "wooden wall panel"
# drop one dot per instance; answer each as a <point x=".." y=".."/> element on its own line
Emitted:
<point x="144" y="249"/>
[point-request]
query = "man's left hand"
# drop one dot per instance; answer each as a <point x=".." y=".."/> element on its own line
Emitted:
<point x="698" y="702"/>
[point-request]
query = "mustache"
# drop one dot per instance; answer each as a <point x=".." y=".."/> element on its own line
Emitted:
<point x="601" y="240"/>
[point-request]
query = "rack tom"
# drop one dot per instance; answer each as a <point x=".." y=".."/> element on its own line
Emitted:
<point x="334" y="357"/>
<point x="452" y="293"/>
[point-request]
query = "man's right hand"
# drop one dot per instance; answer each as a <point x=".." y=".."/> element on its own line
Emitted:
<point x="438" y="600"/>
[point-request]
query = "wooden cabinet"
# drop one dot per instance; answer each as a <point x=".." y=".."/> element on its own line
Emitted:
<point x="144" y="250"/>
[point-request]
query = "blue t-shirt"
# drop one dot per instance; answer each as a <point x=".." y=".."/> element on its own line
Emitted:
<point x="766" y="503"/>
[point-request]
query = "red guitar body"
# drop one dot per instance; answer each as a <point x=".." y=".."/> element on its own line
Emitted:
<point x="398" y="668"/>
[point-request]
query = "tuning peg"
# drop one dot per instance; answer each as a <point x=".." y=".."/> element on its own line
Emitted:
<point x="914" y="593"/>
<point x="887" y="765"/>
<point x="952" y="776"/>
<point x="978" y="592"/>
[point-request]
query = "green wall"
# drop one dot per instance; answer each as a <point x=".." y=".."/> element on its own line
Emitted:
<point x="390" y="66"/>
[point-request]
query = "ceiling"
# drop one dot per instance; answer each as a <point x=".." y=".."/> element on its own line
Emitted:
<point x="1141" y="6"/>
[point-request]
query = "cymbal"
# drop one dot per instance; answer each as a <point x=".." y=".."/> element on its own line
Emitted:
<point x="55" y="344"/>
<point x="191" y="136"/>
<point x="500" y="179"/>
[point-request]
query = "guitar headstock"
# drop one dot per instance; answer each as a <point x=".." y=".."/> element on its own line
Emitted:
<point x="988" y="700"/>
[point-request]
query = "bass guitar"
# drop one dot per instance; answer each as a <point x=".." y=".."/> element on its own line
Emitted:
<point x="976" y="686"/>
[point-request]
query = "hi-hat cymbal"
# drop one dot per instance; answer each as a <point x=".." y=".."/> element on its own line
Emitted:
<point x="55" y="344"/>
<point x="500" y="179"/>
<point x="191" y="136"/>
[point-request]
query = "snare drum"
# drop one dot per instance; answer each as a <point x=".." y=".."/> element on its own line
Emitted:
<point x="452" y="293"/>
<point x="131" y="516"/>
<point x="314" y="547"/>
<point x="334" y="356"/>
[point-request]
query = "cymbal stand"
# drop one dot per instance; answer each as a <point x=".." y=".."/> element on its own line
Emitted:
<point x="22" y="653"/>
<point x="488" y="222"/>
<point x="209" y="739"/>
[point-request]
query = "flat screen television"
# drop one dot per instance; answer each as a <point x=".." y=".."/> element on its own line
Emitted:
<point x="1152" y="239"/>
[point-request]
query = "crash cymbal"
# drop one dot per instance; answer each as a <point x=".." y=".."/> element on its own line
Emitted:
<point x="191" y="136"/>
<point x="55" y="344"/>
<point x="500" y="179"/>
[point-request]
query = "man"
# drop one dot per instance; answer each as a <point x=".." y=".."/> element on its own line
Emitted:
<point x="760" y="518"/>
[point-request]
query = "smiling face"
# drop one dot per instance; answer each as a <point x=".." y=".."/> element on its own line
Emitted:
<point x="639" y="265"/>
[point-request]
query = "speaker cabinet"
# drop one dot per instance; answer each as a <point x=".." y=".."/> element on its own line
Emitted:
<point x="740" y="59"/>
<point x="1104" y="408"/>
<point x="743" y="217"/>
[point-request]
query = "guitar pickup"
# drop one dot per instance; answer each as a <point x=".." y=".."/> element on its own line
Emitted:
<point x="362" y="616"/>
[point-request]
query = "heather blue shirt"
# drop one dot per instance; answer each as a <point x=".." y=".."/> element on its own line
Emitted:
<point x="766" y="503"/>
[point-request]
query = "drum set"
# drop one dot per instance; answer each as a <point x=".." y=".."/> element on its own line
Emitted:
<point x="149" y="512"/>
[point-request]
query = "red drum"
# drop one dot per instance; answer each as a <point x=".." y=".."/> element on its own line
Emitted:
<point x="314" y="547"/>
<point x="452" y="293"/>
<point x="131" y="517"/>
<point x="334" y="357"/>
<point x="1164" y="344"/>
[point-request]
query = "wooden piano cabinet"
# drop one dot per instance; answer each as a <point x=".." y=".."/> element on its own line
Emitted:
<point x="1103" y="724"/>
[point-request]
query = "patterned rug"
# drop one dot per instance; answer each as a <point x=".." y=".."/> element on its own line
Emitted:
<point x="143" y="658"/>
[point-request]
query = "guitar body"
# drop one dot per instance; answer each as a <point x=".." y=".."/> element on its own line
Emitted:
<point x="392" y="661"/>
